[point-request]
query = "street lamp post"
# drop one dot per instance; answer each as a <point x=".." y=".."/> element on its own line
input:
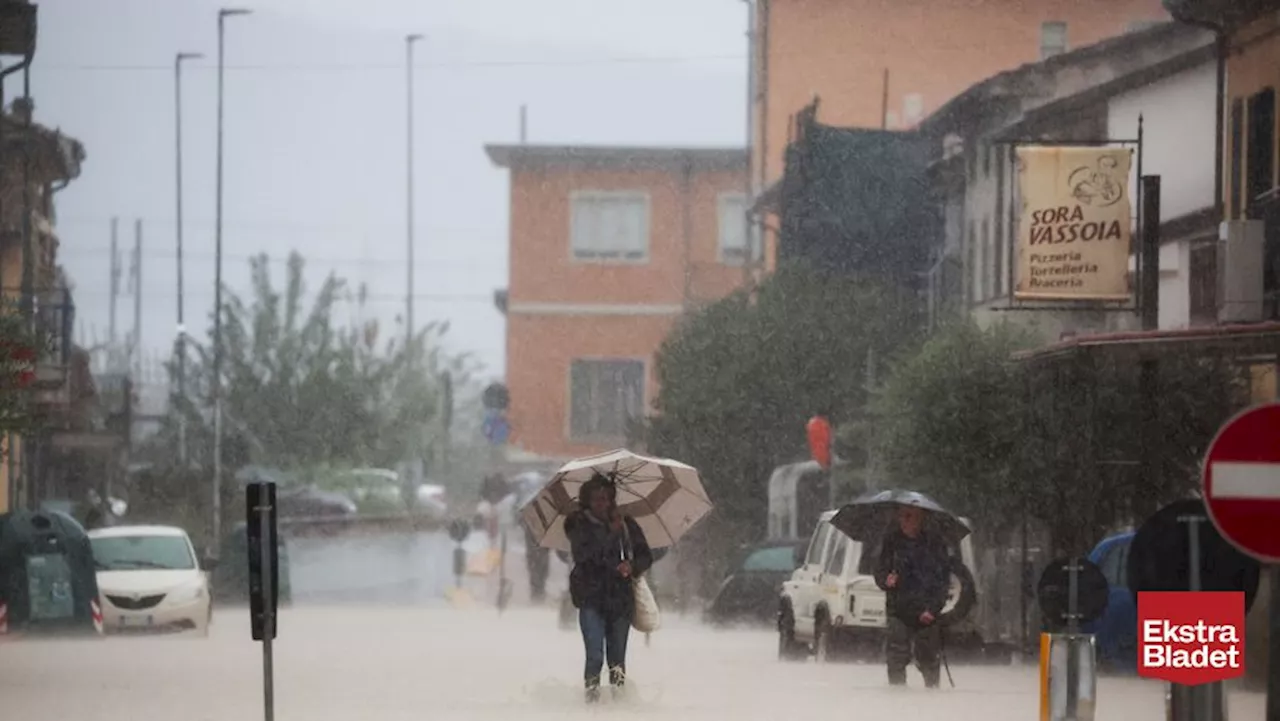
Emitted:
<point x="223" y="14"/>
<point x="409" y="40"/>
<point x="182" y="328"/>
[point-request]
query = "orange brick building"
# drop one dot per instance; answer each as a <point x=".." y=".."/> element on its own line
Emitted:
<point x="883" y="63"/>
<point x="608" y="247"/>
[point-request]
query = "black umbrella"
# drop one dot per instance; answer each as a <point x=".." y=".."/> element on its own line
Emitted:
<point x="868" y="518"/>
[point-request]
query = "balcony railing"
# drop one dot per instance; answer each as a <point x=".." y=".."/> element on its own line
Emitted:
<point x="53" y="315"/>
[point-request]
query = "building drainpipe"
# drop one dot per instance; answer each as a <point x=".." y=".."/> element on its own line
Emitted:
<point x="758" y="125"/>
<point x="686" y="229"/>
<point x="1222" y="45"/>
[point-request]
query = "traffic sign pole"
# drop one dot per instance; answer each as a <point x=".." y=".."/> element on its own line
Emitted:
<point x="262" y="532"/>
<point x="1209" y="698"/>
<point x="268" y="613"/>
<point x="1273" y="655"/>
<point x="1241" y="484"/>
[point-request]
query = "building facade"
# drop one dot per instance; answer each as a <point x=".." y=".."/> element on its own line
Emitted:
<point x="36" y="162"/>
<point x="890" y="65"/>
<point x="1163" y="75"/>
<point x="608" y="248"/>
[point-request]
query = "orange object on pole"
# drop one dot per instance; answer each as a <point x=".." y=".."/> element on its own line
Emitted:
<point x="819" y="431"/>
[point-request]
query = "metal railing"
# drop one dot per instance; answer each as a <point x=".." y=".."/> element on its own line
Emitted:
<point x="53" y="317"/>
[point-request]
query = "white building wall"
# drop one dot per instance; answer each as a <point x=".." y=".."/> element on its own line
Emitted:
<point x="1178" y="145"/>
<point x="1178" y="136"/>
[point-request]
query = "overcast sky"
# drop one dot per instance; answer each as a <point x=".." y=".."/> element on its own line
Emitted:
<point x="315" y="134"/>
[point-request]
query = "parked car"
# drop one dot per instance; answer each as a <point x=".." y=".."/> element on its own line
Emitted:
<point x="311" y="502"/>
<point x="1116" y="633"/>
<point x="48" y="586"/>
<point x="150" y="580"/>
<point x="750" y="590"/>
<point x="832" y="607"/>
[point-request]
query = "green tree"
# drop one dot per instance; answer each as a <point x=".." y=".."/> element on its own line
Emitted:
<point x="301" y="390"/>
<point x="1061" y="439"/>
<point x="950" y="421"/>
<point x="739" y="379"/>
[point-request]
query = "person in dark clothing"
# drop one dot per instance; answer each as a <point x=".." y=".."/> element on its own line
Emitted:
<point x="915" y="573"/>
<point x="538" y="561"/>
<point x="609" y="550"/>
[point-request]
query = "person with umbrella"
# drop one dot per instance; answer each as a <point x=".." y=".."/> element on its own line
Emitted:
<point x="914" y="571"/>
<point x="610" y="511"/>
<point x="608" y="549"/>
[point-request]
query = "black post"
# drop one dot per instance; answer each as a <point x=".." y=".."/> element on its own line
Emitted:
<point x="1149" y="253"/>
<point x="262" y="531"/>
<point x="1273" y="654"/>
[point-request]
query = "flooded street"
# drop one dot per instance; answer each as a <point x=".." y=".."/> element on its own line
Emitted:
<point x="390" y="664"/>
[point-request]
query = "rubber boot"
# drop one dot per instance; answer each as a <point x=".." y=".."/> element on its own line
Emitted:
<point x="593" y="689"/>
<point x="932" y="677"/>
<point x="617" y="679"/>
<point x="897" y="676"/>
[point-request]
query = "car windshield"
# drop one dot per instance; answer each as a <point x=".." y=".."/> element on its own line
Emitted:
<point x="142" y="553"/>
<point x="780" y="558"/>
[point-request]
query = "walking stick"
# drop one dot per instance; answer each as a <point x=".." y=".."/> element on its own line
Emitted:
<point x="942" y="653"/>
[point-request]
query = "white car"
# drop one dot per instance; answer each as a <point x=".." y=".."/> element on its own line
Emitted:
<point x="831" y="605"/>
<point x="150" y="580"/>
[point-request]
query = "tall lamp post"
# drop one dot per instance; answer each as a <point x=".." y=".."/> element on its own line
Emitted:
<point x="182" y="328"/>
<point x="409" y="41"/>
<point x="223" y="14"/>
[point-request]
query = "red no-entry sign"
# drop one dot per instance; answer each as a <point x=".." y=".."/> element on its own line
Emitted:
<point x="1241" y="482"/>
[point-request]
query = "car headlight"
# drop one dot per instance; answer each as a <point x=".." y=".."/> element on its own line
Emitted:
<point x="187" y="594"/>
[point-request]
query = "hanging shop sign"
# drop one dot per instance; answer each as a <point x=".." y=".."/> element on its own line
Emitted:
<point x="1076" y="224"/>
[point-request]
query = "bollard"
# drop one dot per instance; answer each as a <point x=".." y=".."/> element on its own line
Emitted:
<point x="1206" y="702"/>
<point x="1068" y="677"/>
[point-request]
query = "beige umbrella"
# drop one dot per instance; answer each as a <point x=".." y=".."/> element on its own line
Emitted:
<point x="665" y="497"/>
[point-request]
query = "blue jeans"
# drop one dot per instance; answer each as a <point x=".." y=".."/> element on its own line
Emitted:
<point x="603" y="636"/>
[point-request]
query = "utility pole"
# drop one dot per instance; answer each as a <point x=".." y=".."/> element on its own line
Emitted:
<point x="136" y="349"/>
<point x="182" y="328"/>
<point x="524" y="124"/>
<point x="216" y="538"/>
<point x="408" y="297"/>
<point x="112" y="339"/>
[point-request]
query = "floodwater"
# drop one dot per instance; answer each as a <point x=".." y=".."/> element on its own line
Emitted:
<point x="457" y="664"/>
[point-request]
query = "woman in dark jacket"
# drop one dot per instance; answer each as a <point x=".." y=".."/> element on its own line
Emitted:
<point x="609" y="550"/>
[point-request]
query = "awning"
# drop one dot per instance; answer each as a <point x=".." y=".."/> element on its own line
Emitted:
<point x="1241" y="340"/>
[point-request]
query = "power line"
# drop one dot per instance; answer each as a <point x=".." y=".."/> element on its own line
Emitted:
<point x="399" y="67"/>
<point x="167" y="292"/>
<point x="281" y="259"/>
<point x="284" y="225"/>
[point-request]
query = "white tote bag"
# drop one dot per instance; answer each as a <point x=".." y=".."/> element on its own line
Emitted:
<point x="647" y="617"/>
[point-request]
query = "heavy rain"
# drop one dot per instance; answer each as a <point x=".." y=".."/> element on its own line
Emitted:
<point x="690" y="359"/>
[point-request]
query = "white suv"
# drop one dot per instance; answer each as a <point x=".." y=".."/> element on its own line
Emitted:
<point x="832" y="604"/>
